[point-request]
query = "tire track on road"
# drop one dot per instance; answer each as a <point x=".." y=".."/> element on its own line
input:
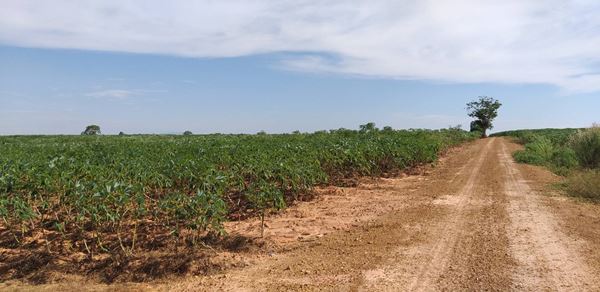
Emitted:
<point x="428" y="273"/>
<point x="547" y="258"/>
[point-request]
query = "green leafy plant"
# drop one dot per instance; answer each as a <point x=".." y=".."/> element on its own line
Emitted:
<point x="106" y="192"/>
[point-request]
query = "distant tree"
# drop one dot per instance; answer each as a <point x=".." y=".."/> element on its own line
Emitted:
<point x="261" y="133"/>
<point x="121" y="134"/>
<point x="368" y="127"/>
<point x="484" y="110"/>
<point x="296" y="132"/>
<point x="387" y="129"/>
<point x="187" y="133"/>
<point x="342" y="131"/>
<point x="91" y="130"/>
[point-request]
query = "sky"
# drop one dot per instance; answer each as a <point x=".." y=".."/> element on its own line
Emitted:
<point x="145" y="66"/>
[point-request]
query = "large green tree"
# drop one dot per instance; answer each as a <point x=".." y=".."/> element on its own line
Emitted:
<point x="92" y="130"/>
<point x="484" y="110"/>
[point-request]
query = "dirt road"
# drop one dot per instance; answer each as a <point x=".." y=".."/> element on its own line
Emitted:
<point x="477" y="221"/>
<point x="473" y="224"/>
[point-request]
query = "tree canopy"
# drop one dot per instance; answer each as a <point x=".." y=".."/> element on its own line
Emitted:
<point x="91" y="130"/>
<point x="484" y="110"/>
<point x="368" y="128"/>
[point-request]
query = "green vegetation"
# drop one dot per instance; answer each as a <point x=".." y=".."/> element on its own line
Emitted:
<point x="574" y="153"/>
<point x="542" y="151"/>
<point x="556" y="136"/>
<point x="91" y="130"/>
<point x="110" y="193"/>
<point x="484" y="110"/>
<point x="584" y="184"/>
<point x="586" y="145"/>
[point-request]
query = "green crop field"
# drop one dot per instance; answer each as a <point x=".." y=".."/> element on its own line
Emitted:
<point x="109" y="194"/>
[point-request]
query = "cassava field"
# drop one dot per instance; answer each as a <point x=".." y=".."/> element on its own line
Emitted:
<point x="100" y="202"/>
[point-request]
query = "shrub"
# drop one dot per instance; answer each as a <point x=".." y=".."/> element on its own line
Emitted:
<point x="586" y="144"/>
<point x="585" y="184"/>
<point x="524" y="156"/>
<point x="542" y="147"/>
<point x="539" y="152"/>
<point x="526" y="137"/>
<point x="559" y="137"/>
<point x="564" y="158"/>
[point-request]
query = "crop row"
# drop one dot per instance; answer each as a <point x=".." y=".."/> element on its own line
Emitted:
<point x="106" y="193"/>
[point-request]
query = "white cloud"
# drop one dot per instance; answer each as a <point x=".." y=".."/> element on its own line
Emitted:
<point x="512" y="41"/>
<point x="113" y="93"/>
<point x="121" y="93"/>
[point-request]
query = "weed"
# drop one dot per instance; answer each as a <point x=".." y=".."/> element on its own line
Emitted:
<point x="586" y="145"/>
<point x="584" y="184"/>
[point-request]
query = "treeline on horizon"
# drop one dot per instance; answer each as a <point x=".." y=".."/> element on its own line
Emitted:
<point x="190" y="133"/>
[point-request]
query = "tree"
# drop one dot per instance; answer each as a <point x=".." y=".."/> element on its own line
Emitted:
<point x="121" y="134"/>
<point x="484" y="110"/>
<point x="91" y="130"/>
<point x="187" y="133"/>
<point x="367" y="128"/>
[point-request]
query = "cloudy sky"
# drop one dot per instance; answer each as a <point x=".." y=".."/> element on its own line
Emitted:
<point x="153" y="66"/>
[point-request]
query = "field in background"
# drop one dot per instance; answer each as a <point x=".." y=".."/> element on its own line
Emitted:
<point x="573" y="153"/>
<point x="111" y="197"/>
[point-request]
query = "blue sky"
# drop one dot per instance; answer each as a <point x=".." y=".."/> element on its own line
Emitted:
<point x="108" y="64"/>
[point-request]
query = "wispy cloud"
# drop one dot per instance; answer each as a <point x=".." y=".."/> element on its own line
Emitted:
<point x="121" y="93"/>
<point x="113" y="93"/>
<point x="468" y="41"/>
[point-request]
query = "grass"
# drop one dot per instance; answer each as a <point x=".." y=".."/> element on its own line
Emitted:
<point x="585" y="184"/>
<point x="586" y="145"/>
